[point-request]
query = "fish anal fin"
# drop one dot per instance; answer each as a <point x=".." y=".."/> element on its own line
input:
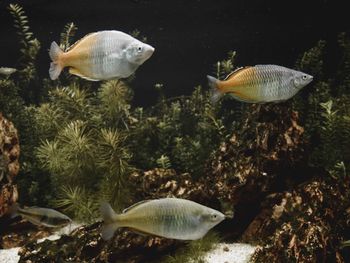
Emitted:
<point x="135" y="205"/>
<point x="142" y="233"/>
<point x="242" y="97"/>
<point x="76" y="72"/>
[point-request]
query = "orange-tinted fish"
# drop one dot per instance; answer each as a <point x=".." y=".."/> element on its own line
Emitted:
<point x="260" y="84"/>
<point x="100" y="56"/>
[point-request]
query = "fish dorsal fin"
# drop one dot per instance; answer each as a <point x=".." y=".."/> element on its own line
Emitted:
<point x="75" y="71"/>
<point x="134" y="205"/>
<point x="78" y="41"/>
<point x="236" y="71"/>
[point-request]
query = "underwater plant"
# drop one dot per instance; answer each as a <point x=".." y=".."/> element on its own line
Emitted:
<point x="179" y="132"/>
<point x="324" y="109"/>
<point x="84" y="150"/>
<point x="29" y="87"/>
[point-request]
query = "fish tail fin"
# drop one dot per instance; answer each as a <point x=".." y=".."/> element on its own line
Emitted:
<point x="215" y="93"/>
<point x="110" y="225"/>
<point x="55" y="66"/>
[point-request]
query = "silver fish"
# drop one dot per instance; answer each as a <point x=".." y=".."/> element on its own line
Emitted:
<point x="100" y="56"/>
<point x="168" y="217"/>
<point x="260" y="84"/>
<point x="41" y="216"/>
<point x="7" y="71"/>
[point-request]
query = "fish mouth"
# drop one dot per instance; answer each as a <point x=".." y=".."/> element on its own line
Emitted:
<point x="149" y="51"/>
<point x="311" y="78"/>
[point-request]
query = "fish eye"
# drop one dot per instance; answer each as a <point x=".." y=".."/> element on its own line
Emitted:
<point x="139" y="49"/>
<point x="304" y="77"/>
<point x="214" y="216"/>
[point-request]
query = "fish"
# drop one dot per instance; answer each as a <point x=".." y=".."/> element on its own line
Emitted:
<point x="100" y="55"/>
<point x="41" y="216"/>
<point x="260" y="84"/>
<point x="172" y="218"/>
<point x="7" y="71"/>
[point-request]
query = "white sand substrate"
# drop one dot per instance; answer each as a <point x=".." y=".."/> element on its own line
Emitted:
<point x="11" y="255"/>
<point x="230" y="253"/>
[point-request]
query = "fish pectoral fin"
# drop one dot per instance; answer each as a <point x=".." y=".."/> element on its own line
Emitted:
<point x="76" y="72"/>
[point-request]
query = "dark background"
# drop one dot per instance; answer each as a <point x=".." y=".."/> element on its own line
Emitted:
<point x="189" y="35"/>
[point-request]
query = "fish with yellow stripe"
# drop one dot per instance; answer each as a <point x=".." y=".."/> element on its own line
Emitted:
<point x="260" y="84"/>
<point x="101" y="55"/>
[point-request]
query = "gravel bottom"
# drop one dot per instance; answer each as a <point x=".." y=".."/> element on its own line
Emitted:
<point x="9" y="255"/>
<point x="230" y="253"/>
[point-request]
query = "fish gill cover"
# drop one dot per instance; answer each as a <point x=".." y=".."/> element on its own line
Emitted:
<point x="280" y="169"/>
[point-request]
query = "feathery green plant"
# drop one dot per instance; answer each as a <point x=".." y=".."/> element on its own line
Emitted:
<point x="84" y="147"/>
<point x="186" y="130"/>
<point x="334" y="137"/>
<point x="67" y="34"/>
<point x="225" y="66"/>
<point x="77" y="202"/>
<point x="194" y="251"/>
<point x="30" y="47"/>
<point x="115" y="97"/>
<point x="163" y="162"/>
<point x="324" y="107"/>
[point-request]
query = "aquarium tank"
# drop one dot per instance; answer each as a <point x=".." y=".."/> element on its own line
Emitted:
<point x="174" y="131"/>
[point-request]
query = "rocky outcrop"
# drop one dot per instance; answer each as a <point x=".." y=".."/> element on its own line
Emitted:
<point x="307" y="224"/>
<point x="9" y="165"/>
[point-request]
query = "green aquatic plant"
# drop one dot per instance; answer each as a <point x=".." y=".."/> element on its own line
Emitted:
<point x="194" y="251"/>
<point x="115" y="96"/>
<point x="84" y="146"/>
<point x="164" y="162"/>
<point x="334" y="136"/>
<point x="226" y="66"/>
<point x="67" y="34"/>
<point x="324" y="107"/>
<point x="30" y="46"/>
<point x="78" y="202"/>
<point x="186" y="130"/>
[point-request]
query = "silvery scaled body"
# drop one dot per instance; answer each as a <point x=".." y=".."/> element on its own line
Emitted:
<point x="101" y="56"/>
<point x="168" y="217"/>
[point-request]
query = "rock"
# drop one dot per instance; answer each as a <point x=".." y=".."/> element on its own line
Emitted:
<point x="261" y="156"/>
<point x="86" y="245"/>
<point x="303" y="225"/>
<point x="9" y="164"/>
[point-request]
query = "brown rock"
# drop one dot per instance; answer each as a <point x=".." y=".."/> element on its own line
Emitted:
<point x="9" y="164"/>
